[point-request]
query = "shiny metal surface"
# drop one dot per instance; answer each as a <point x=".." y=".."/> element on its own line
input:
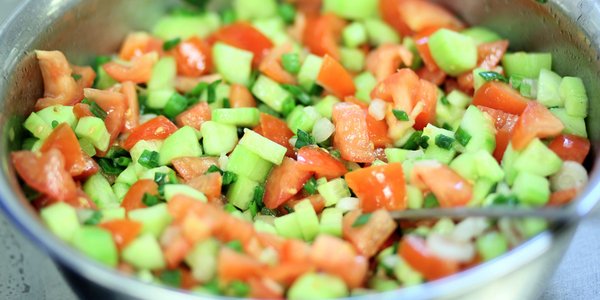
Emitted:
<point x="570" y="29"/>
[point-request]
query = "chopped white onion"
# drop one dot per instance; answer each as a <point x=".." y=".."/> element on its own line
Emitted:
<point x="269" y="256"/>
<point x="147" y="117"/>
<point x="377" y="109"/>
<point x="448" y="248"/>
<point x="322" y="130"/>
<point x="507" y="229"/>
<point x="348" y="204"/>
<point x="293" y="141"/>
<point x="571" y="175"/>
<point x="469" y="228"/>
<point x="223" y="160"/>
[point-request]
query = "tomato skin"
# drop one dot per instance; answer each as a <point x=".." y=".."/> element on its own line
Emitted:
<point x="322" y="33"/>
<point x="135" y="195"/>
<point x="489" y="56"/>
<point x="82" y="110"/>
<point x="563" y="197"/>
<point x="505" y="124"/>
<point x="123" y="231"/>
<point x="64" y="140"/>
<point x="450" y="189"/>
<point x="176" y="250"/>
<point x="232" y="265"/>
<point x="422" y="42"/>
<point x="191" y="167"/>
<point x="335" y="79"/>
<point x="209" y="184"/>
<point x="317" y="160"/>
<point x="115" y="106"/>
<point x="571" y="147"/>
<point x="501" y="96"/>
<point x="86" y="81"/>
<point x="195" y="116"/>
<point x="427" y="95"/>
<point x="59" y="87"/>
<point x="245" y="36"/>
<point x="285" y="181"/>
<point x="271" y="65"/>
<point x="414" y="250"/>
<point x="286" y="273"/>
<point x="265" y="289"/>
<point x="379" y="187"/>
<point x="370" y="237"/>
<point x="419" y="15"/>
<point x="346" y="264"/>
<point x="535" y="122"/>
<point x="139" y="43"/>
<point x="352" y="133"/>
<point x="158" y="128"/>
<point x="436" y="77"/>
<point x="240" y="96"/>
<point x="384" y="61"/>
<point x="277" y="131"/>
<point x="46" y="173"/>
<point x="378" y="132"/>
<point x="193" y="57"/>
<point x="132" y="111"/>
<point x="390" y="12"/>
<point x="139" y="71"/>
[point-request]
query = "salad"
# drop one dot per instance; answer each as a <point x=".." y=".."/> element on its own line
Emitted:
<point x="258" y="151"/>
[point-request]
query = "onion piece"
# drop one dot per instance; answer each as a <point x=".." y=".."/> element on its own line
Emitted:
<point x="469" y="228"/>
<point x="323" y="130"/>
<point x="348" y="204"/>
<point x="571" y="175"/>
<point x="377" y="109"/>
<point x="451" y="249"/>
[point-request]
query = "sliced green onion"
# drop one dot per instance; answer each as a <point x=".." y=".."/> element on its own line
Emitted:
<point x="229" y="178"/>
<point x="54" y="124"/>
<point x="228" y="16"/>
<point x="171" y="278"/>
<point x="149" y="159"/>
<point x="298" y="93"/>
<point x="160" y="178"/>
<point x="238" y="289"/>
<point x="304" y="139"/>
<point x="444" y="100"/>
<point x="311" y="186"/>
<point x="76" y="76"/>
<point x="444" y="141"/>
<point x="214" y="169"/>
<point x="236" y="246"/>
<point x="430" y="201"/>
<point x="413" y="141"/>
<point x="287" y="12"/>
<point x="288" y="106"/>
<point x="197" y="90"/>
<point x="259" y="193"/>
<point x="122" y="161"/>
<point x="150" y="200"/>
<point x="493" y="76"/>
<point x="211" y="91"/>
<point x="95" y="109"/>
<point x="400" y="115"/>
<point x="291" y="62"/>
<point x="176" y="105"/>
<point x="170" y="44"/>
<point x="108" y="166"/>
<point x="361" y="220"/>
<point x="424" y="142"/>
<point x="462" y="137"/>
<point x="94" y="219"/>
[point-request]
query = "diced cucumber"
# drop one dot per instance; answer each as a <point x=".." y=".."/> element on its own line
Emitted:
<point x="508" y="164"/>
<point x="380" y="33"/>
<point x="254" y="9"/>
<point x="117" y="213"/>
<point x="120" y="190"/>
<point x="317" y="286"/>
<point x="352" y="59"/>
<point x="475" y="165"/>
<point x="529" y="227"/>
<point x="434" y="151"/>
<point x="203" y="260"/>
<point x="171" y="190"/>
<point x="481" y="35"/>
<point x="60" y="114"/>
<point x="331" y="222"/>
<point x="95" y="131"/>
<point x="241" y="117"/>
<point x="354" y="35"/>
<point x="307" y="77"/>
<point x="288" y="226"/>
<point x="234" y="64"/>
<point x="481" y="189"/>
<point x="325" y="106"/>
<point x="263" y="226"/>
<point x="400" y="155"/>
<point x="37" y="126"/>
<point x="270" y="92"/>
<point x="308" y="220"/>
<point x="218" y="138"/>
<point x="241" y="192"/>
<point x="538" y="159"/>
<point x="409" y="43"/>
<point x="154" y="219"/>
<point x="406" y="274"/>
<point x="572" y="92"/>
<point x="527" y="65"/>
<point x="478" y="81"/>
<point x="532" y="189"/>
<point x="151" y="173"/>
<point x="97" y="244"/>
<point x="144" y="253"/>
<point x="182" y="143"/>
<point x="365" y="83"/>
<point x="138" y="149"/>
<point x="491" y="245"/>
<point x="333" y="191"/>
<point x="448" y="114"/>
<point x="87" y="147"/>
<point x="414" y="197"/>
<point x="352" y="9"/>
<point x="128" y="176"/>
<point x="273" y="28"/>
<point x="103" y="80"/>
<point x="263" y="147"/>
<point x="302" y="118"/>
<point x="162" y="82"/>
<point x="222" y="92"/>
<point x="454" y="53"/>
<point x="100" y="191"/>
<point x="548" y="85"/>
<point x="573" y="125"/>
<point x="459" y="99"/>
<point x="185" y="26"/>
<point x="480" y="128"/>
<point x="61" y="219"/>
<point x="244" y="162"/>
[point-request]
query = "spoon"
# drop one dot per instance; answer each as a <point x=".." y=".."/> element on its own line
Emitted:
<point x="548" y="213"/>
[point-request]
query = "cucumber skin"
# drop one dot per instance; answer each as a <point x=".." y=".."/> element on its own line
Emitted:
<point x="453" y="52"/>
<point x="481" y="128"/>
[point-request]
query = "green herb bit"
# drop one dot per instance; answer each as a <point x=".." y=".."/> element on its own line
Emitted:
<point x="413" y="141"/>
<point x="214" y="169"/>
<point x="316" y="90"/>
<point x="361" y="220"/>
<point x="267" y="110"/>
<point x="116" y="151"/>
<point x="96" y="110"/>
<point x="150" y="200"/>
<point x="444" y="100"/>
<point x="212" y="91"/>
<point x="291" y="62"/>
<point x="54" y="124"/>
<point x="229" y="178"/>
<point x="197" y="90"/>
<point x="447" y="126"/>
<point x="311" y="186"/>
<point x="288" y="106"/>
<point x="108" y="166"/>
<point x="288" y="208"/>
<point x="462" y="137"/>
<point x="430" y="201"/>
<point x="510" y="200"/>
<point x="493" y="76"/>
<point x="94" y="219"/>
<point x="28" y="143"/>
<point x="198" y="4"/>
<point x="400" y="115"/>
<point x="171" y="278"/>
<point x="304" y="139"/>
<point x="122" y="161"/>
<point x="257" y="197"/>
<point x="444" y="141"/>
<point x="299" y="94"/>
<point x="238" y="289"/>
<point x="76" y="76"/>
<point x="424" y="142"/>
<point x="176" y="105"/>
<point x="170" y="44"/>
<point x="235" y="245"/>
<point x="228" y="16"/>
<point x="287" y="12"/>
<point x="160" y="178"/>
<point x="149" y="159"/>
<point x="226" y="103"/>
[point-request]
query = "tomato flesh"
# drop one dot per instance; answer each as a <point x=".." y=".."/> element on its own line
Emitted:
<point x="195" y="116"/>
<point x="192" y="167"/>
<point x="64" y="140"/>
<point x="414" y="250"/>
<point x="193" y="57"/>
<point x="135" y="196"/>
<point x="158" y="128"/>
<point x="335" y="79"/>
<point x="123" y="231"/>
<point x="352" y="133"/>
<point x="317" y="160"/>
<point x="535" y="122"/>
<point x="450" y="189"/>
<point x="369" y="238"/>
<point x="571" y="147"/>
<point x="501" y="96"/>
<point x="379" y="187"/>
<point x="277" y="131"/>
<point x="285" y="181"/>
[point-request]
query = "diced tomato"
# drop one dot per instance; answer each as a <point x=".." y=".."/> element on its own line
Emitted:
<point x="193" y="57"/>
<point x="571" y="147"/>
<point x="60" y="87"/>
<point x="277" y="131"/>
<point x="139" y="71"/>
<point x="158" y="128"/>
<point x="89" y="168"/>
<point x="286" y="273"/>
<point x="385" y="60"/>
<point x="135" y="195"/>
<point x="498" y="95"/>
<point x="308" y="7"/>
<point x="427" y="94"/>
<point x="563" y="197"/>
<point x="265" y="289"/>
<point x="505" y="124"/>
<point x="352" y="133"/>
<point x="322" y="33"/>
<point x="285" y="181"/>
<point x="209" y="184"/>
<point x="370" y="237"/>
<point x="139" y="43"/>
<point x="390" y="12"/>
<point x="436" y="77"/>
<point x="64" y="140"/>
<point x="232" y="228"/>
<point x="192" y="167"/>
<point x="195" y="116"/>
<point x="379" y="187"/>
<point x="335" y="79"/>
<point x="232" y="265"/>
<point x="317" y="160"/>
<point x="271" y="65"/>
<point x="535" y="122"/>
<point x="414" y="250"/>
<point x="175" y="251"/>
<point x="195" y="229"/>
<point x="86" y="80"/>
<point x="115" y="105"/>
<point x="345" y="262"/>
<point x="378" y="132"/>
<point x="400" y="88"/>
<point x="450" y="189"/>
<point x="356" y="101"/>
<point x="45" y="173"/>
<point x="245" y="36"/>
<point x="240" y="96"/>
<point x="123" y="231"/>
<point x="82" y="110"/>
<point x="294" y="251"/>
<point x="422" y="43"/>
<point x="180" y="206"/>
<point x="489" y="56"/>
<point x="188" y="281"/>
<point x="419" y="15"/>
<point x="132" y="112"/>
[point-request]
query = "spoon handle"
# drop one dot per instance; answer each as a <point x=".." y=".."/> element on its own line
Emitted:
<point x="548" y="213"/>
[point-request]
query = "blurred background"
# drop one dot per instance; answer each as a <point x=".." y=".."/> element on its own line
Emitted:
<point x="27" y="273"/>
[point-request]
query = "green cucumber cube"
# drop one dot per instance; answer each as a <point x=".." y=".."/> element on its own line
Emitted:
<point x="158" y="99"/>
<point x="270" y="92"/>
<point x="481" y="189"/>
<point x="151" y="173"/>
<point x="454" y="53"/>
<point x="117" y="213"/>
<point x="400" y="155"/>
<point x="103" y="80"/>
<point x="171" y="190"/>
<point x="325" y="106"/>
<point x="95" y="131"/>
<point x="120" y="190"/>
<point x="288" y="226"/>
<point x="380" y="33"/>
<point x="414" y="197"/>
<point x="100" y="191"/>
<point x="308" y="220"/>
<point x="573" y="125"/>
<point x="318" y="286"/>
<point x="144" y="253"/>
<point x="508" y="164"/>
<point x="548" y="86"/>
<point x="162" y="82"/>
<point x="218" y="138"/>
<point x="58" y="113"/>
<point x="138" y="149"/>
<point x="246" y="163"/>
<point x="203" y="260"/>
<point x="352" y="9"/>
<point x="263" y="147"/>
<point x="481" y="35"/>
<point x="481" y="129"/>
<point x="354" y="35"/>
<point x="61" y="219"/>
<point x="37" y="126"/>
<point x="333" y="191"/>
<point x="234" y="64"/>
<point x="182" y="143"/>
<point x="433" y="151"/>
<point x="572" y="92"/>
<point x="273" y="28"/>
<point x="532" y="189"/>
<point x="87" y="147"/>
<point x="491" y="245"/>
<point x="241" y="117"/>
<point x="365" y="83"/>
<point x="128" y="176"/>
<point x="307" y="77"/>
<point x="241" y="192"/>
<point x="154" y="219"/>
<point x="184" y="26"/>
<point x="97" y="244"/>
<point x="352" y="59"/>
<point x="528" y="65"/>
<point x="303" y="118"/>
<point x="263" y="226"/>
<point x="331" y="222"/>
<point x="254" y="9"/>
<point x="538" y="159"/>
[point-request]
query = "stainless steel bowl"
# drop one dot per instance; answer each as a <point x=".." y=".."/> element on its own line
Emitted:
<point x="569" y="29"/>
